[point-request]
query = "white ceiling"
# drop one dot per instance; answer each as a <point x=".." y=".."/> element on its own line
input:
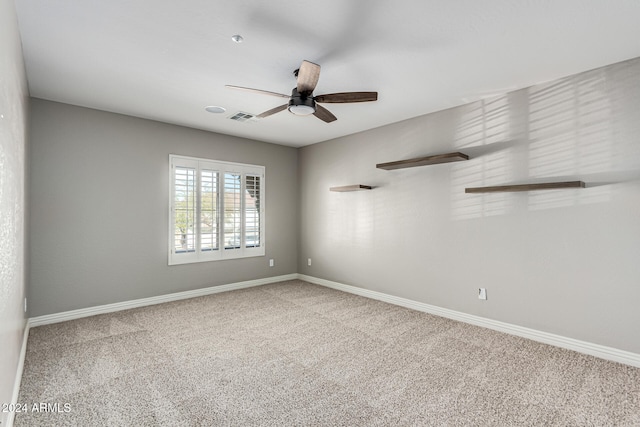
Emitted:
<point x="167" y="60"/>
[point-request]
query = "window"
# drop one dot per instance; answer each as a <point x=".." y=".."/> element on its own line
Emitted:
<point x="216" y="210"/>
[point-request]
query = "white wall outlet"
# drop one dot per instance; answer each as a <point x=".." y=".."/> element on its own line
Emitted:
<point x="271" y="263"/>
<point x="309" y="262"/>
<point x="25" y="305"/>
<point x="482" y="293"/>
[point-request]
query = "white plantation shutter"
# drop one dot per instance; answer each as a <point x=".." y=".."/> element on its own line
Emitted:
<point x="232" y="210"/>
<point x="252" y="215"/>
<point x="184" y="202"/>
<point x="216" y="211"/>
<point x="209" y="210"/>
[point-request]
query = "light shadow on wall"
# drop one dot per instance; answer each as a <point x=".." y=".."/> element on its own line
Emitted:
<point x="351" y="214"/>
<point x="570" y="134"/>
<point x="484" y="134"/>
<point x="571" y="129"/>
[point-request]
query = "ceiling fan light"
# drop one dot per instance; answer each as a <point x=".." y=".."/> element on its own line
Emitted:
<point x="301" y="105"/>
<point x="301" y="110"/>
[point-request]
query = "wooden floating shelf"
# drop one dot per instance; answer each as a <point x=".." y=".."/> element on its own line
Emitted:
<point x="424" y="161"/>
<point x="526" y="187"/>
<point x="356" y="187"/>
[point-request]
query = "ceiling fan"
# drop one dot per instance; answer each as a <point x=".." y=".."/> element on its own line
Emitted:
<point x="302" y="102"/>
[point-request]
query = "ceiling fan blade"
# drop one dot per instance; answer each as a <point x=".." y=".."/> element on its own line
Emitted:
<point x="273" y="111"/>
<point x="344" y="97"/>
<point x="324" y="114"/>
<point x="308" y="75"/>
<point x="263" y="92"/>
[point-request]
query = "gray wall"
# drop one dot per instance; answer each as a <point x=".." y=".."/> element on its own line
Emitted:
<point x="13" y="208"/>
<point x="99" y="208"/>
<point x="564" y="261"/>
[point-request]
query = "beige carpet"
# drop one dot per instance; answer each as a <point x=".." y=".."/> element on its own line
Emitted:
<point x="297" y="354"/>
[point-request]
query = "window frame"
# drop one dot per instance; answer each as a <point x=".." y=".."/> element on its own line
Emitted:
<point x="222" y="252"/>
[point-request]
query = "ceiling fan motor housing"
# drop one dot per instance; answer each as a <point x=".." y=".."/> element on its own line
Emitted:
<point x="301" y="104"/>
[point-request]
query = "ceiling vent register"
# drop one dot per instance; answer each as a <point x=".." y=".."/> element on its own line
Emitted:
<point x="242" y="117"/>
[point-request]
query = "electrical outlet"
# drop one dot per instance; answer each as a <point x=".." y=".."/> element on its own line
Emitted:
<point x="309" y="262"/>
<point x="25" y="305"/>
<point x="271" y="263"/>
<point x="482" y="293"/>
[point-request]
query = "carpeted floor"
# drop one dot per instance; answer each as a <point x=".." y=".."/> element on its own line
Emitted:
<point x="298" y="354"/>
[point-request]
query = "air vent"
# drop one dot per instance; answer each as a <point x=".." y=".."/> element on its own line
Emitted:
<point x="242" y="117"/>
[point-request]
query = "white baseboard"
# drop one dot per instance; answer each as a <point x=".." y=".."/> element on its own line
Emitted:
<point x="125" y="305"/>
<point x="19" y="370"/>
<point x="603" y="352"/>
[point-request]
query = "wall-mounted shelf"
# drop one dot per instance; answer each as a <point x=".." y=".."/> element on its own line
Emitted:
<point x="424" y="161"/>
<point x="356" y="187"/>
<point x="526" y="187"/>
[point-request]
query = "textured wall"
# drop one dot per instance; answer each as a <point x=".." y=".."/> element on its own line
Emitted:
<point x="99" y="208"/>
<point x="563" y="261"/>
<point x="13" y="146"/>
